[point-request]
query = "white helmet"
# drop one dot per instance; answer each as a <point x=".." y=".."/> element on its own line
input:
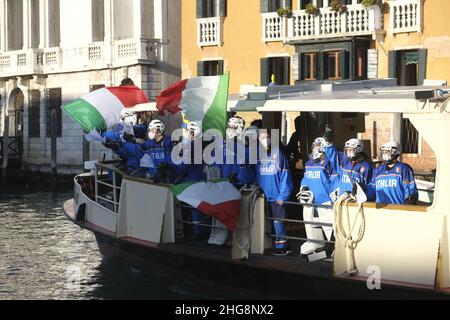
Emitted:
<point x="193" y="129"/>
<point x="390" y="151"/>
<point x="318" y="148"/>
<point x="236" y="126"/>
<point x="157" y="125"/>
<point x="128" y="117"/>
<point x="353" y="147"/>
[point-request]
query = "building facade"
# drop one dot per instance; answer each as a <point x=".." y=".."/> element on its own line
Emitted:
<point x="55" y="51"/>
<point x="316" y="42"/>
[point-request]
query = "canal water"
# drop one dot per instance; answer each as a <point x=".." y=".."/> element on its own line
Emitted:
<point x="44" y="256"/>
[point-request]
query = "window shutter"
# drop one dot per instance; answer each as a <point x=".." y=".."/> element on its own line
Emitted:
<point x="392" y="64"/>
<point x="34" y="113"/>
<point x="54" y="101"/>
<point x="318" y="65"/>
<point x="200" y="69"/>
<point x="265" y="78"/>
<point x="222" y="8"/>
<point x="200" y="13"/>
<point x="423" y="53"/>
<point x="287" y="71"/>
<point x="221" y="67"/>
<point x="344" y="64"/>
<point x="296" y="67"/>
<point x="319" y="3"/>
<point x="264" y="6"/>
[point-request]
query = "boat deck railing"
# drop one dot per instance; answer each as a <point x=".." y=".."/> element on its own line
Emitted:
<point x="108" y="180"/>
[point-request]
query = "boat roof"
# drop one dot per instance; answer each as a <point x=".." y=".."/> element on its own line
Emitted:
<point x="368" y="96"/>
<point x="375" y="100"/>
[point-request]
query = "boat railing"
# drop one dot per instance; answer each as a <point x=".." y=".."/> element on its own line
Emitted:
<point x="303" y="222"/>
<point x="269" y="220"/>
<point x="108" y="180"/>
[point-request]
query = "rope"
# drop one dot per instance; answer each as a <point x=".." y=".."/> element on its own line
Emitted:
<point x="345" y="234"/>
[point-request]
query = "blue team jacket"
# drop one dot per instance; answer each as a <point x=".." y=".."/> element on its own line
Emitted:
<point x="321" y="179"/>
<point x="274" y="177"/>
<point x="348" y="172"/>
<point x="395" y="185"/>
<point x="133" y="153"/>
<point x="158" y="151"/>
<point x="236" y="161"/>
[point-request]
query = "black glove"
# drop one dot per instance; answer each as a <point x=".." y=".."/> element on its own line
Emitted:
<point x="128" y="137"/>
<point x="113" y="145"/>
<point x="328" y="135"/>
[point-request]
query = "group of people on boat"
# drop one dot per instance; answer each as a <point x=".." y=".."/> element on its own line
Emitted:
<point x="147" y="151"/>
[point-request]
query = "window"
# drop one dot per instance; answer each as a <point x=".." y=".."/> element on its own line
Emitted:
<point x="279" y="67"/>
<point x="274" y="5"/>
<point x="210" y="68"/>
<point x="34" y="113"/>
<point x="408" y="66"/>
<point x="211" y="8"/>
<point x="410" y="137"/>
<point x="54" y="102"/>
<point x="332" y="66"/>
<point x="309" y="66"/>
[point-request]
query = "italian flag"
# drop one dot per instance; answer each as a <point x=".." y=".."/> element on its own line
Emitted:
<point x="217" y="198"/>
<point x="100" y="109"/>
<point x="203" y="99"/>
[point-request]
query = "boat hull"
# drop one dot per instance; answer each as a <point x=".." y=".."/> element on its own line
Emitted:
<point x="241" y="274"/>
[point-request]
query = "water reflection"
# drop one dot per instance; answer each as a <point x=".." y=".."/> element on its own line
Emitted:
<point x="44" y="256"/>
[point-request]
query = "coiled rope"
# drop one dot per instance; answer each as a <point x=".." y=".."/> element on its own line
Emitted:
<point x="344" y="233"/>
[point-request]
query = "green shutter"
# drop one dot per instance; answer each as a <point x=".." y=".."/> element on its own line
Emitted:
<point x="221" y="67"/>
<point x="34" y="113"/>
<point x="265" y="78"/>
<point x="392" y="64"/>
<point x="264" y="6"/>
<point x="200" y="69"/>
<point x="318" y="65"/>
<point x="200" y="13"/>
<point x="287" y="71"/>
<point x="344" y="64"/>
<point x="223" y="8"/>
<point x="423" y="53"/>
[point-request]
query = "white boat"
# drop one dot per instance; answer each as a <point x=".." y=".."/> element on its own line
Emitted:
<point x="403" y="248"/>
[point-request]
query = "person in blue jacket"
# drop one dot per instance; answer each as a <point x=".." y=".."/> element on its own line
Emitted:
<point x="318" y="182"/>
<point x="236" y="156"/>
<point x="132" y="153"/>
<point x="274" y="178"/>
<point x="352" y="165"/>
<point x="158" y="148"/>
<point x="393" y="181"/>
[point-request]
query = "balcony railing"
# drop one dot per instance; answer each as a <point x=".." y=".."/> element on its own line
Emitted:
<point x="96" y="55"/>
<point x="406" y="16"/>
<point x="356" y="20"/>
<point x="210" y="32"/>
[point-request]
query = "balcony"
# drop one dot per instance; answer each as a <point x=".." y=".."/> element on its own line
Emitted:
<point x="97" y="55"/>
<point x="210" y="31"/>
<point x="406" y="16"/>
<point x="356" y="20"/>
